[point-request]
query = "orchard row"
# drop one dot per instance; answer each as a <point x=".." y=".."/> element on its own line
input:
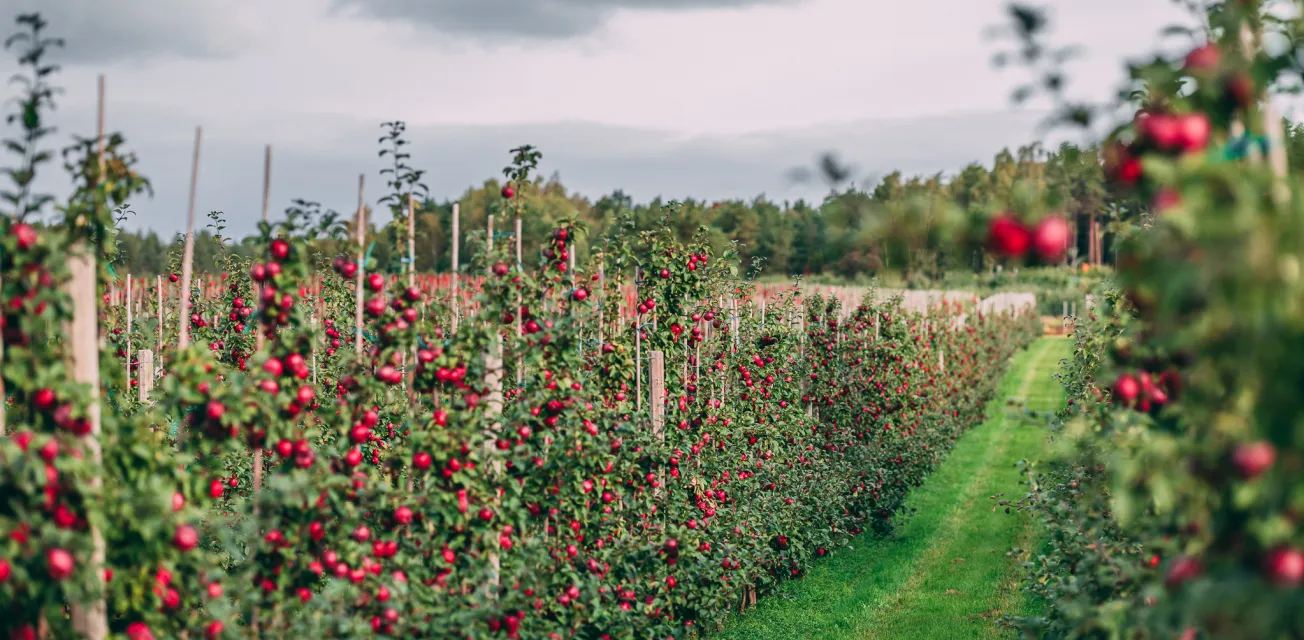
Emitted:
<point x="542" y="471"/>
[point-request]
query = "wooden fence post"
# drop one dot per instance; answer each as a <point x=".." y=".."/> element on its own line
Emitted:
<point x="91" y="618"/>
<point x="657" y="391"/>
<point x="3" y="397"/>
<point x="412" y="240"/>
<point x="145" y="372"/>
<point x="158" y="289"/>
<point x="457" y="240"/>
<point x="188" y="254"/>
<point x="520" y="302"/>
<point x="129" y="319"/>
<point x="638" y="346"/>
<point x="361" y="220"/>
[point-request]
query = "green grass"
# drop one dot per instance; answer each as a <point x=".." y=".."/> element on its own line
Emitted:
<point x="945" y="573"/>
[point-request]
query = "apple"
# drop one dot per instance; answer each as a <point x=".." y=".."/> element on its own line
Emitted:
<point x="280" y="249"/>
<point x="1203" y="59"/>
<point x="1284" y="567"/>
<point x="25" y="235"/>
<point x="1193" y="132"/>
<point x="185" y="538"/>
<point x="1252" y="459"/>
<point x="1050" y="239"/>
<point x="60" y="563"/>
<point x="1162" y="130"/>
<point x="1008" y="237"/>
<point x="508" y="192"/>
<point x="1126" y="389"/>
<point x="1183" y="569"/>
<point x="1239" y="88"/>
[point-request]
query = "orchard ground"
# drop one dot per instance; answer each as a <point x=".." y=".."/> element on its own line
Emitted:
<point x="946" y="572"/>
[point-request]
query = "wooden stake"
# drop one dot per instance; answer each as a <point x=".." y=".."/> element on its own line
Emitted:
<point x="412" y="241"/>
<point x="520" y="360"/>
<point x="361" y="220"/>
<point x="657" y="392"/>
<point x="258" y="332"/>
<point x="188" y="255"/>
<point x="91" y="618"/>
<point x="457" y="241"/>
<point x="99" y="132"/>
<point x="638" y="346"/>
<point x="129" y="319"/>
<point x="3" y="398"/>
<point x="146" y="374"/>
<point x="601" y="298"/>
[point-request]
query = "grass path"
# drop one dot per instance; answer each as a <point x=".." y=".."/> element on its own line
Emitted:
<point x="945" y="573"/>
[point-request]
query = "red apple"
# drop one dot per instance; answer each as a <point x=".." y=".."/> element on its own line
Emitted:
<point x="1252" y="459"/>
<point x="60" y="563"/>
<point x="1162" y="130"/>
<point x="1284" y="567"/>
<point x="1008" y="237"/>
<point x="1050" y="240"/>
<point x="1203" y="59"/>
<point x="508" y="192"/>
<point x="1193" y="131"/>
<point x="185" y="538"/>
<point x="1183" y="569"/>
<point x="1126" y="389"/>
<point x="25" y="235"/>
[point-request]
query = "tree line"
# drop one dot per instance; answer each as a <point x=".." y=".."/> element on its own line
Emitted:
<point x="890" y="229"/>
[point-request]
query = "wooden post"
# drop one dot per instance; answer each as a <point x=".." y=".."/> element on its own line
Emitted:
<point x="361" y="219"/>
<point x="89" y="619"/>
<point x="457" y="240"/>
<point x="3" y="397"/>
<point x="258" y="332"/>
<point x="158" y="290"/>
<point x="129" y="319"/>
<point x="412" y="241"/>
<point x="733" y="322"/>
<point x="188" y="255"/>
<point x="520" y="360"/>
<point x="657" y="391"/>
<point x="493" y="364"/>
<point x="146" y="374"/>
<point x="638" y="346"/>
<point x="600" y="297"/>
<point x="313" y="321"/>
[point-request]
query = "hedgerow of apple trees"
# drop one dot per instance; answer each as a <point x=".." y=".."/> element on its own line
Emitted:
<point x="488" y="482"/>
<point x="1173" y="505"/>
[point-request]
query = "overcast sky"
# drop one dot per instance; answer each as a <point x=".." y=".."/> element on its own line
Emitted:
<point x="680" y="98"/>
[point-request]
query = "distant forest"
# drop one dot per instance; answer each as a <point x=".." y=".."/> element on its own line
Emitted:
<point x="853" y="234"/>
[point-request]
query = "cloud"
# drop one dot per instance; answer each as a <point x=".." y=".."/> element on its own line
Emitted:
<point x="537" y="19"/>
<point x="100" y="32"/>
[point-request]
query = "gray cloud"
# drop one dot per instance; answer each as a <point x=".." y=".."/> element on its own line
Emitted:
<point x="591" y="159"/>
<point x="101" y="32"/>
<point x="541" y="19"/>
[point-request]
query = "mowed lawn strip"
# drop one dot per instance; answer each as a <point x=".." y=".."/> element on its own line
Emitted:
<point x="939" y="576"/>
